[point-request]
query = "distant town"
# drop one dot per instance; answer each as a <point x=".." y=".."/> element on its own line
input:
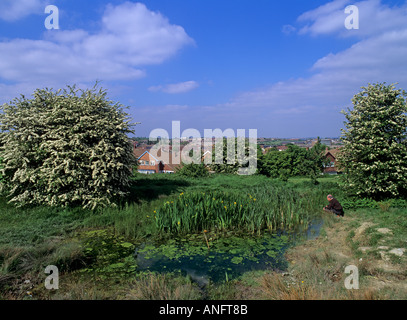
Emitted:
<point x="264" y="143"/>
<point x="152" y="163"/>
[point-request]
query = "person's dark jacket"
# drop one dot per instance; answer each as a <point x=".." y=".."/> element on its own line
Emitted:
<point x="335" y="205"/>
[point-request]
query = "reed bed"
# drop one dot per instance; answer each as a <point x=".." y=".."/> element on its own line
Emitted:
<point x="254" y="211"/>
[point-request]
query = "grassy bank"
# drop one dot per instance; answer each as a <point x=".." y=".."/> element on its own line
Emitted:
<point x="367" y="239"/>
<point x="92" y="250"/>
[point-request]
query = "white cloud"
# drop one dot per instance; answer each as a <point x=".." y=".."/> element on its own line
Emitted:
<point x="13" y="10"/>
<point x="131" y="37"/>
<point x="176" y="88"/>
<point x="325" y="19"/>
<point x="378" y="56"/>
<point x="374" y="18"/>
<point x="288" y="29"/>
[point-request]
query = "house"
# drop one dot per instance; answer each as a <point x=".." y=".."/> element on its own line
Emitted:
<point x="332" y="165"/>
<point x="149" y="163"/>
<point x="282" y="148"/>
<point x="207" y="157"/>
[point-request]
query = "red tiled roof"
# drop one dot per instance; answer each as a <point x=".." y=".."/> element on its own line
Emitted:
<point x="161" y="164"/>
<point x="333" y="152"/>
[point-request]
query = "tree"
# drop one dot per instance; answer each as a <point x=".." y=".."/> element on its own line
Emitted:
<point x="275" y="164"/>
<point x="65" y="148"/>
<point x="374" y="155"/>
<point x="295" y="161"/>
<point x="193" y="170"/>
<point x="226" y="149"/>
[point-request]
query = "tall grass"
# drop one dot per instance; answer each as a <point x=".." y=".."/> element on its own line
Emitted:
<point x="257" y="209"/>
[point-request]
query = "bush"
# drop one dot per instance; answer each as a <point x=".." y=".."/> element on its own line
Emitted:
<point x="358" y="203"/>
<point x="374" y="155"/>
<point x="193" y="170"/>
<point x="65" y="148"/>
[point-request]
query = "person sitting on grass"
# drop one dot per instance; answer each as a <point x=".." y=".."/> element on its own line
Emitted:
<point x="334" y="206"/>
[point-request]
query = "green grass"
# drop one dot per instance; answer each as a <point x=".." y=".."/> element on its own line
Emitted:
<point x="34" y="237"/>
<point x="265" y="207"/>
<point x="392" y="218"/>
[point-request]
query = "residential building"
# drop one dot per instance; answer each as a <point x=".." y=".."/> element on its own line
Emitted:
<point x="332" y="166"/>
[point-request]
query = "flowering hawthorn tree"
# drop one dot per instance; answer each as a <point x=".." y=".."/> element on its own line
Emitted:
<point x="374" y="155"/>
<point x="65" y="148"/>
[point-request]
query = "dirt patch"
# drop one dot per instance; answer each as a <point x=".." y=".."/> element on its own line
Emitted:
<point x="333" y="251"/>
<point x="359" y="232"/>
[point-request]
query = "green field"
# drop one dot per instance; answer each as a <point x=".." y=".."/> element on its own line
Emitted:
<point x="93" y="250"/>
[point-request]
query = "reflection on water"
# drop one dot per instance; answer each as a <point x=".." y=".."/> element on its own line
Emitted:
<point x="214" y="257"/>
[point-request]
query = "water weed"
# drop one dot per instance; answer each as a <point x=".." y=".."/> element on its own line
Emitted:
<point x="259" y="209"/>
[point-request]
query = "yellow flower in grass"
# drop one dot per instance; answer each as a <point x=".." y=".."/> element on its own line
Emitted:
<point x="179" y="222"/>
<point x="234" y="203"/>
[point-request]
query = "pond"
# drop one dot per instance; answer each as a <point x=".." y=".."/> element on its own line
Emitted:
<point x="220" y="257"/>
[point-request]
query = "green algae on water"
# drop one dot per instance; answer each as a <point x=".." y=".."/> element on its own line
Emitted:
<point x="232" y="254"/>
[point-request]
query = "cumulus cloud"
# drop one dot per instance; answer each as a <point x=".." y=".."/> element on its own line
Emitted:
<point x="325" y="19"/>
<point x="378" y="56"/>
<point x="176" y="88"/>
<point x="130" y="38"/>
<point x="374" y="17"/>
<point x="13" y="10"/>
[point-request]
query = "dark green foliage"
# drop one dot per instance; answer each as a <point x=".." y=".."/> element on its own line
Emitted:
<point x="193" y="170"/>
<point x="295" y="161"/>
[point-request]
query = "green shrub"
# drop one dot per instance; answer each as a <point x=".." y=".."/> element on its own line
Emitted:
<point x="359" y="203"/>
<point x="374" y="155"/>
<point x="65" y="148"/>
<point x="193" y="170"/>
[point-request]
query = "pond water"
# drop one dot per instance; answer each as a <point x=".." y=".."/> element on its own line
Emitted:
<point x="221" y="257"/>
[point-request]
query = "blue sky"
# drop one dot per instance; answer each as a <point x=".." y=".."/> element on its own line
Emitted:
<point x="285" y="68"/>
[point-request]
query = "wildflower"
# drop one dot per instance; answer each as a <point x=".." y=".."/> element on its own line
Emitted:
<point x="234" y="203"/>
<point x="148" y="216"/>
<point x="254" y="199"/>
<point x="179" y="222"/>
<point x="205" y="231"/>
<point x="155" y="211"/>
